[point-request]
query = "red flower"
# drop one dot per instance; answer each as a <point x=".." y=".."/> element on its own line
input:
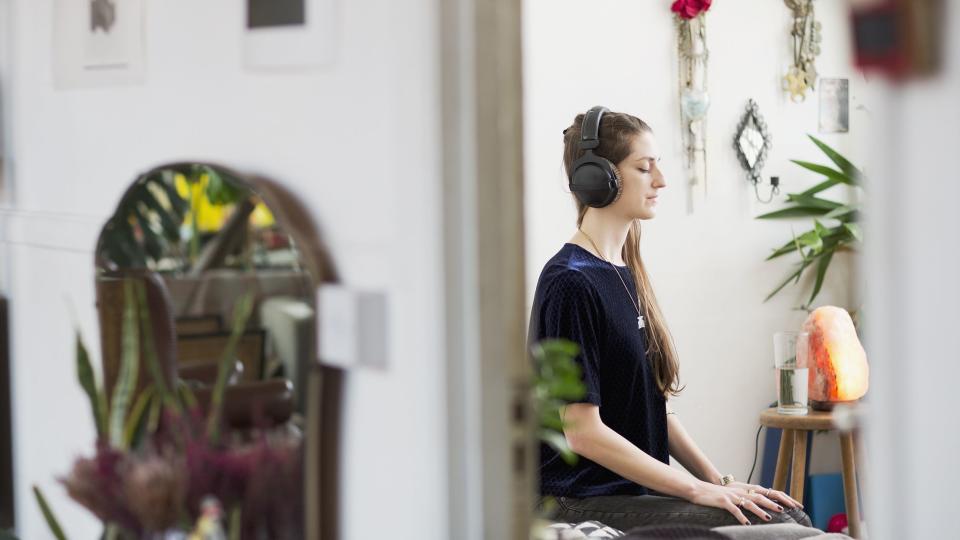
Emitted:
<point x="689" y="9"/>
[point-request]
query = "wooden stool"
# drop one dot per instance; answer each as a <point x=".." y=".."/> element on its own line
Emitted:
<point x="796" y="432"/>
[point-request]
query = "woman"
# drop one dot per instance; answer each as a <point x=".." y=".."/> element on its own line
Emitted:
<point x="596" y="293"/>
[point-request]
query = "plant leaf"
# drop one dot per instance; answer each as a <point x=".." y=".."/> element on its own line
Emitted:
<point x="788" y="280"/>
<point x="51" y="519"/>
<point x="854" y="231"/>
<point x="559" y="443"/>
<point x="240" y="315"/>
<point x="88" y="382"/>
<point x="826" y="184"/>
<point x="822" y="266"/>
<point x="138" y="414"/>
<point x="129" y="367"/>
<point x="829" y="172"/>
<point x="809" y="200"/>
<point x="153" y="364"/>
<point x="795" y="211"/>
<point x="841" y="212"/>
<point x="853" y="173"/>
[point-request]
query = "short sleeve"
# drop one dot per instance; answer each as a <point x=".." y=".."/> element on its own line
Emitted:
<point x="570" y="310"/>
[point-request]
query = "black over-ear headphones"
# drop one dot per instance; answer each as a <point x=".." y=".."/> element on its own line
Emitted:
<point x="594" y="180"/>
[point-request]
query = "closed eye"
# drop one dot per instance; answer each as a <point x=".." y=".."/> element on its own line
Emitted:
<point x="643" y="170"/>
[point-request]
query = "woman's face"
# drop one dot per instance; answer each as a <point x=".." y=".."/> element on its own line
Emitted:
<point x="642" y="179"/>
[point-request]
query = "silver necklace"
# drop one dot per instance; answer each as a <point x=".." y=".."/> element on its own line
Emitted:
<point x="640" y="322"/>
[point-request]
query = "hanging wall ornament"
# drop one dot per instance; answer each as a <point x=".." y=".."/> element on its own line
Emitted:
<point x="752" y="142"/>
<point x="694" y="99"/>
<point x="805" y="32"/>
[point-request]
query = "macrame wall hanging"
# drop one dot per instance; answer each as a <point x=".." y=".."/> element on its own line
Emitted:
<point x="694" y="99"/>
<point x="805" y="32"/>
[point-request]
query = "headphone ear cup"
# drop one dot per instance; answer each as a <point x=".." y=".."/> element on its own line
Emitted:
<point x="618" y="182"/>
<point x="595" y="181"/>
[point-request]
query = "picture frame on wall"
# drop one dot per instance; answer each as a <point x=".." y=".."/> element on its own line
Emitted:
<point x="289" y="33"/>
<point x="98" y="43"/>
<point x="834" y="106"/>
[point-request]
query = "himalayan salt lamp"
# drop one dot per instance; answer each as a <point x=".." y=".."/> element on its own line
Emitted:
<point x="837" y="361"/>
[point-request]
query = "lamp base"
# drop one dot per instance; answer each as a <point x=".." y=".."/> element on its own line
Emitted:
<point x="829" y="405"/>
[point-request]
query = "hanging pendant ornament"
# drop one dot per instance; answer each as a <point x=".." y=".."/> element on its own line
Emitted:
<point x="694" y="99"/>
<point x="802" y="75"/>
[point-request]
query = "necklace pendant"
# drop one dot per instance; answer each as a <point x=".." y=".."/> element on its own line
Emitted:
<point x="640" y="322"/>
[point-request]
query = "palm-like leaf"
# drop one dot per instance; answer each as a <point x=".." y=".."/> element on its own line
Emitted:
<point x="819" y="244"/>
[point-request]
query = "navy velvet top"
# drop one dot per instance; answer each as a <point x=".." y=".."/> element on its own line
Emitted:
<point x="580" y="298"/>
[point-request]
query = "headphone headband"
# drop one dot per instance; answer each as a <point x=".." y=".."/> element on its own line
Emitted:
<point x="590" y="129"/>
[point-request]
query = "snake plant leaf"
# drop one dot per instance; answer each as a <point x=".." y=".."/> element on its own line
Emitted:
<point x="97" y="398"/>
<point x="129" y="367"/>
<point x="241" y="313"/>
<point x="186" y="395"/>
<point x="51" y="519"/>
<point x="236" y="523"/>
<point x="822" y="266"/>
<point x="153" y="364"/>
<point x="829" y="172"/>
<point x="134" y="428"/>
<point x="853" y="173"/>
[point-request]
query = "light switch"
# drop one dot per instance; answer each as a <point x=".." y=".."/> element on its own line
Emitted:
<point x="352" y="327"/>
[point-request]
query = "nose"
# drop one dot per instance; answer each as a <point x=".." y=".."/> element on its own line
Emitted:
<point x="658" y="180"/>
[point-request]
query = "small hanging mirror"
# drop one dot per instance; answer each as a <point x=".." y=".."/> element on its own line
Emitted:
<point x="752" y="142"/>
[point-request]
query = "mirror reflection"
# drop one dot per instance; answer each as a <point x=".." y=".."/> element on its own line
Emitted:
<point x="751" y="142"/>
<point x="207" y="239"/>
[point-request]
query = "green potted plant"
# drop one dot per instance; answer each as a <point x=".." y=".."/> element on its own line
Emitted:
<point x="835" y="224"/>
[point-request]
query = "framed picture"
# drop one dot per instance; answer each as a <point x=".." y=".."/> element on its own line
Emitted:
<point x="289" y="33"/>
<point x="834" y="105"/>
<point x="98" y="42"/>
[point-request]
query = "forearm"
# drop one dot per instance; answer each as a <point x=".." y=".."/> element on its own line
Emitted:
<point x="687" y="453"/>
<point x="611" y="450"/>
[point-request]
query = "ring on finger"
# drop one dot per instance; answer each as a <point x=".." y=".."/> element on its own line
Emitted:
<point x="740" y="502"/>
<point x="751" y="491"/>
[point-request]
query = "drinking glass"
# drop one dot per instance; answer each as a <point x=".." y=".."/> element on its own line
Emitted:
<point x="791" y="351"/>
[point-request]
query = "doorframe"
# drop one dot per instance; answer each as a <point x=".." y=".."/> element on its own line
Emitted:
<point x="490" y="434"/>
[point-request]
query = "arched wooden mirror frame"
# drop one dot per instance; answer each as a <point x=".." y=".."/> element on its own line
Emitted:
<point x="324" y="384"/>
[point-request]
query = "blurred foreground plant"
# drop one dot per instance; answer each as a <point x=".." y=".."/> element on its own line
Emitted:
<point x="557" y="381"/>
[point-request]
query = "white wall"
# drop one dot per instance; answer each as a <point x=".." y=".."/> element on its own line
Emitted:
<point x="708" y="267"/>
<point x="357" y="141"/>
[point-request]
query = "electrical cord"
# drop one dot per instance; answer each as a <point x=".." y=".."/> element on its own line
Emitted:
<point x="756" y="452"/>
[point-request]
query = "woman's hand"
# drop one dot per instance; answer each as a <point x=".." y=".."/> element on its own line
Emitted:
<point x="769" y="494"/>
<point x="734" y="500"/>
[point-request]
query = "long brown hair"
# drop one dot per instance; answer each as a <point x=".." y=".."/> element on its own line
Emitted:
<point x="617" y="131"/>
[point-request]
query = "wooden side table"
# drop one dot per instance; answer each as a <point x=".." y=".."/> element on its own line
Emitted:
<point x="796" y="432"/>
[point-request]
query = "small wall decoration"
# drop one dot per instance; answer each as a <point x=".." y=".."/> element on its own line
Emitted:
<point x="289" y="33"/>
<point x="98" y="42"/>
<point x="752" y="142"/>
<point x="694" y="99"/>
<point x="834" y="105"/>
<point x="802" y="75"/>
